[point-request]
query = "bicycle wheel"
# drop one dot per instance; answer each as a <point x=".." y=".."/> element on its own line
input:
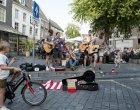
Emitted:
<point x="35" y="94"/>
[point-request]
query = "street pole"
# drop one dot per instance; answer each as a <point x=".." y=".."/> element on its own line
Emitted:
<point x="36" y="20"/>
<point x="34" y="45"/>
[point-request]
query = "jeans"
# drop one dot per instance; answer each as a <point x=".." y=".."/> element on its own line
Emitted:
<point x="71" y="63"/>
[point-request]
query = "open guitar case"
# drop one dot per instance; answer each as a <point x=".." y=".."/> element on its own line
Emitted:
<point x="89" y="82"/>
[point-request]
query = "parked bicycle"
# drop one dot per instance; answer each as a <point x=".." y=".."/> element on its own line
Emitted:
<point x="33" y="93"/>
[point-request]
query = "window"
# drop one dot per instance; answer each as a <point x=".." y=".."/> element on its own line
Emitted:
<point x="42" y="34"/>
<point x="24" y="17"/>
<point x="16" y="26"/>
<point x="16" y="13"/>
<point x="31" y="30"/>
<point x="2" y="15"/>
<point x="36" y="31"/>
<point x="24" y="29"/>
<point x="23" y="2"/>
<point x="31" y="20"/>
<point x="13" y="44"/>
<point x="3" y="2"/>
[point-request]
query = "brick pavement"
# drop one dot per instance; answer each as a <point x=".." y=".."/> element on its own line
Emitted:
<point x="122" y="94"/>
<point x="114" y="94"/>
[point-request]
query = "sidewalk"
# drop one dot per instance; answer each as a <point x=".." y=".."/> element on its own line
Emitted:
<point x="126" y="71"/>
<point x="112" y="95"/>
<point x="117" y="91"/>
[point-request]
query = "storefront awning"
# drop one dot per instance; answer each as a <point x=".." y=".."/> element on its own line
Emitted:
<point x="6" y="28"/>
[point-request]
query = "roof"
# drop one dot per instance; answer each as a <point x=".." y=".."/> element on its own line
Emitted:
<point x="42" y="15"/>
<point x="54" y="24"/>
<point x="6" y="28"/>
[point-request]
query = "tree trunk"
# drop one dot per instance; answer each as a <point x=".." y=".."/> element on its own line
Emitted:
<point x="107" y="36"/>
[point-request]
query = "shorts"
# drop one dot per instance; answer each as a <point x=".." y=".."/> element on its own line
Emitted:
<point x="101" y="53"/>
<point x="3" y="83"/>
<point x="95" y="54"/>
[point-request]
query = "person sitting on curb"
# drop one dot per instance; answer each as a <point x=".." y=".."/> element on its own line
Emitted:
<point x="72" y="61"/>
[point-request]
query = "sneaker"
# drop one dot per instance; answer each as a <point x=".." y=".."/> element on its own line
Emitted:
<point x="52" y="68"/>
<point x="4" y="108"/>
<point x="47" y="68"/>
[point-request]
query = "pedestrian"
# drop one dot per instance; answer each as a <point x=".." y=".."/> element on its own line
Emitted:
<point x="5" y="71"/>
<point x="117" y="60"/>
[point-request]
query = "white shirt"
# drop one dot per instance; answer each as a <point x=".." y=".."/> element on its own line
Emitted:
<point x="4" y="61"/>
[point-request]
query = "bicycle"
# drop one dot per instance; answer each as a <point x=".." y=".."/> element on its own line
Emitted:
<point x="31" y="91"/>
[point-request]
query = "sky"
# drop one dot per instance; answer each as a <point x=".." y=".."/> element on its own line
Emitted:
<point x="59" y="11"/>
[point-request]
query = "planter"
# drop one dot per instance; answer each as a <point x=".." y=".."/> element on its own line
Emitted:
<point x="27" y="53"/>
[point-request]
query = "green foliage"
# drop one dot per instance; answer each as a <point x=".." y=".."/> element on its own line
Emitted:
<point x="72" y="31"/>
<point x="123" y="15"/>
<point x="28" y="43"/>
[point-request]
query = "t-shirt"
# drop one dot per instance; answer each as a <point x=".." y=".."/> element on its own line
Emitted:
<point x="4" y="61"/>
<point x="59" y="42"/>
<point x="50" y="38"/>
<point x="98" y="41"/>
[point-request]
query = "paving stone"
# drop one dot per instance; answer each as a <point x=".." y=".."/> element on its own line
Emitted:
<point x="114" y="94"/>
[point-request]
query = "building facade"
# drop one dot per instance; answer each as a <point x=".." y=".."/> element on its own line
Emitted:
<point x="132" y="42"/>
<point x="16" y="23"/>
<point x="7" y="32"/>
<point x="55" y="27"/>
<point x="22" y="19"/>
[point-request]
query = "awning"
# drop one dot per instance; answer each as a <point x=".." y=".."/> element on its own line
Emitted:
<point x="6" y="28"/>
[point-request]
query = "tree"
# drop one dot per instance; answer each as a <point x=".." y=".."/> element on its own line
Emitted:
<point x="107" y="15"/>
<point x="72" y="31"/>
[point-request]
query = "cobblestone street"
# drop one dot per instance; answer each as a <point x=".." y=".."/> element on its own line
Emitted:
<point x="112" y="95"/>
<point x="116" y="91"/>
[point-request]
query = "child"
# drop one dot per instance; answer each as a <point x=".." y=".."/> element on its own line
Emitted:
<point x="117" y="59"/>
<point x="5" y="71"/>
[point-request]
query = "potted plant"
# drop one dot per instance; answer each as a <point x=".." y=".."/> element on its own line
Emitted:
<point x="28" y="44"/>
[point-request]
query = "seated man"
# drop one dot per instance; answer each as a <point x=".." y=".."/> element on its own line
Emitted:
<point x="72" y="61"/>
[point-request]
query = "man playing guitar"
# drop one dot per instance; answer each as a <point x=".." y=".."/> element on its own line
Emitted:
<point x="100" y="52"/>
<point x="49" y="56"/>
<point x="86" y="41"/>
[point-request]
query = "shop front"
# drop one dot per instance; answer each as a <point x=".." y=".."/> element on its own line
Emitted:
<point x="14" y="38"/>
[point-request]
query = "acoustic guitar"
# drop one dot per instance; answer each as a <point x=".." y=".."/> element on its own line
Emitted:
<point x="48" y="46"/>
<point x="92" y="48"/>
<point x="83" y="47"/>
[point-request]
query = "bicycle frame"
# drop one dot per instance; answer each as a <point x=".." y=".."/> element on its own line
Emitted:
<point x="21" y="80"/>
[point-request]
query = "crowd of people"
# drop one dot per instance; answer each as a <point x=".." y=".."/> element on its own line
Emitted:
<point x="55" y="50"/>
<point x="77" y="55"/>
<point x="74" y="55"/>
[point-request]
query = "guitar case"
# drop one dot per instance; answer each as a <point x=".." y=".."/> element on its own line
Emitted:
<point x="84" y="82"/>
